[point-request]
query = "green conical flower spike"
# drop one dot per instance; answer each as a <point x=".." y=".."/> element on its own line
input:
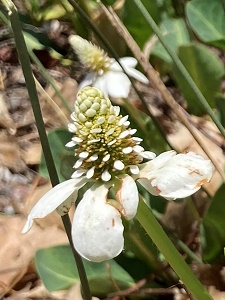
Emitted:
<point x="90" y="55"/>
<point x="106" y="147"/>
<point x="109" y="156"/>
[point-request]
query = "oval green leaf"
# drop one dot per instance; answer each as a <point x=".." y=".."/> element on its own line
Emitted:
<point x="212" y="236"/>
<point x="56" y="267"/>
<point x="63" y="157"/>
<point x="136" y="23"/>
<point x="175" y="34"/>
<point x="207" y="20"/>
<point x="205" y="68"/>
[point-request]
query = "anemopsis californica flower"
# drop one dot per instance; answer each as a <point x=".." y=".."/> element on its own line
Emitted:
<point x="104" y="72"/>
<point x="111" y="158"/>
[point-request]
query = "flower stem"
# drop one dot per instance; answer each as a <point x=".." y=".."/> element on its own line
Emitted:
<point x="27" y="71"/>
<point x="166" y="247"/>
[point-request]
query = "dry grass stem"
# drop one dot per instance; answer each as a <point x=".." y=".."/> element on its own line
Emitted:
<point x="52" y="103"/>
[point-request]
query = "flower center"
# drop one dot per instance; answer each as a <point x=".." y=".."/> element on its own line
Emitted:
<point x="90" y="55"/>
<point x="106" y="147"/>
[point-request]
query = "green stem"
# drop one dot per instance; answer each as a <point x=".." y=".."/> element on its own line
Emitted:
<point x="27" y="71"/>
<point x="166" y="247"/>
<point x="180" y="66"/>
<point x="31" y="88"/>
<point x="189" y="253"/>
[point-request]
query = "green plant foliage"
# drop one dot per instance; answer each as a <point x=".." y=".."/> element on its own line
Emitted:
<point x="205" y="68"/>
<point x="52" y="12"/>
<point x="32" y="42"/>
<point x="175" y="34"/>
<point x="136" y="24"/>
<point x="57" y="269"/>
<point x="39" y="11"/>
<point x="140" y="244"/>
<point x="212" y="229"/>
<point x="63" y="157"/>
<point x="108" y="2"/>
<point x="220" y="105"/>
<point x="137" y="268"/>
<point x="207" y="20"/>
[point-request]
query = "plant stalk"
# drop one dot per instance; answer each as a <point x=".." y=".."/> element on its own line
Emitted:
<point x="166" y="247"/>
<point x="30" y="83"/>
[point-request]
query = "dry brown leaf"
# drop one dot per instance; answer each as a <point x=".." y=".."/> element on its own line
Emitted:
<point x="75" y="293"/>
<point x="32" y="155"/>
<point x="38" y="292"/>
<point x="5" y="119"/>
<point x="216" y="294"/>
<point x="17" y="249"/>
<point x="10" y="153"/>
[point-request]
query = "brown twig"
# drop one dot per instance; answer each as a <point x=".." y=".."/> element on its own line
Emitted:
<point x="128" y="291"/>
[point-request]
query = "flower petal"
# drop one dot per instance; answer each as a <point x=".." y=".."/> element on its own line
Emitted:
<point x="128" y="61"/>
<point x="156" y="163"/>
<point x="52" y="199"/>
<point x="88" y="80"/>
<point x="129" y="64"/>
<point x="127" y="196"/>
<point x="175" y="176"/>
<point x="137" y="75"/>
<point x="118" y="84"/>
<point x="97" y="229"/>
<point x="101" y="84"/>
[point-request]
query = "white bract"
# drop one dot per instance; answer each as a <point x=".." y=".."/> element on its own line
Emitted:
<point x="104" y="72"/>
<point x="111" y="158"/>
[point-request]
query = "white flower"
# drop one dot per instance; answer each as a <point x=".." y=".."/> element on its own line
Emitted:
<point x="105" y="73"/>
<point x="111" y="158"/>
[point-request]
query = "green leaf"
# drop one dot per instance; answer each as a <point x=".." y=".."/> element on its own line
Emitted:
<point x="205" y="68"/>
<point x="57" y="269"/>
<point x="138" y="242"/>
<point x="64" y="158"/>
<point x="32" y="42"/>
<point x="175" y="34"/>
<point x="212" y="228"/>
<point x="220" y="105"/>
<point x="207" y="20"/>
<point x="108" y="2"/>
<point x="136" y="23"/>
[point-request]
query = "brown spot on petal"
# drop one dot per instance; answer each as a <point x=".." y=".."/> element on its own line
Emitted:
<point x="200" y="183"/>
<point x="113" y="222"/>
<point x="196" y="171"/>
<point x="158" y="191"/>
